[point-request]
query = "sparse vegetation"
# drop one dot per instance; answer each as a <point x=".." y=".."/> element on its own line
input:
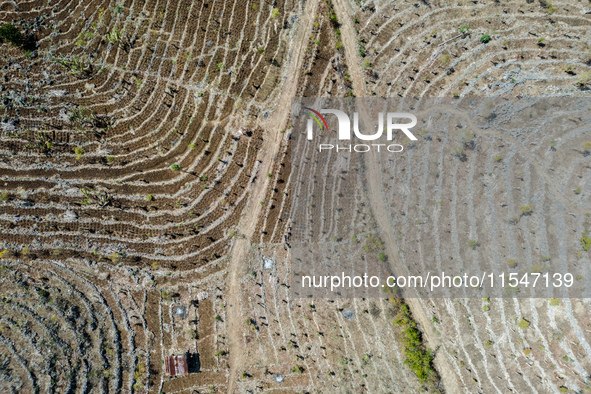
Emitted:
<point x="298" y="369"/>
<point x="526" y="210"/>
<point x="118" y="103"/>
<point x="523" y="324"/>
<point x="586" y="242"/>
<point x="79" y="152"/>
<point x="512" y="263"/>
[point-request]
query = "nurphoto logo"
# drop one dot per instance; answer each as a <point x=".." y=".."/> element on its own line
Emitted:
<point x="344" y="129"/>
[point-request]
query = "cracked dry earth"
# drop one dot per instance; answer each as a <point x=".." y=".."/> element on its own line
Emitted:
<point x="145" y="174"/>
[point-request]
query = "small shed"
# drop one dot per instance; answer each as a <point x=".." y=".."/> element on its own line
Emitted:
<point x="176" y="365"/>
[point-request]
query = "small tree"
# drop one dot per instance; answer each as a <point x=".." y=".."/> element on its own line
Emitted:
<point x="10" y="33"/>
<point x="523" y="324"/>
<point x="584" y="79"/>
<point x="79" y="152"/>
<point x="297" y="369"/>
<point x="485" y="39"/>
<point x="175" y="167"/>
<point x="526" y="210"/>
<point x="586" y="242"/>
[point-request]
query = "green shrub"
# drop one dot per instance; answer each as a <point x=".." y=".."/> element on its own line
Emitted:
<point x="175" y="167"/>
<point x="584" y="78"/>
<point x="79" y="152"/>
<point x="523" y="324"/>
<point x="10" y="33"/>
<point x="417" y="357"/>
<point x="526" y="210"/>
<point x="586" y="242"/>
<point x="527" y="351"/>
<point x="297" y="369"/>
<point x="485" y="39"/>
<point x="361" y="50"/>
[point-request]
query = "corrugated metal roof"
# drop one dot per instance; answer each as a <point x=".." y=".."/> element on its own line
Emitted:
<point x="176" y="365"/>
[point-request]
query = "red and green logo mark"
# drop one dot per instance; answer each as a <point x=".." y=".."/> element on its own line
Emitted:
<point x="315" y="114"/>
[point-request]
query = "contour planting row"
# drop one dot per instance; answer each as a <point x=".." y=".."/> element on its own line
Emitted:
<point x="87" y="116"/>
<point x="318" y="344"/>
<point x="69" y="329"/>
<point x="466" y="49"/>
<point x="192" y="216"/>
<point x="501" y="205"/>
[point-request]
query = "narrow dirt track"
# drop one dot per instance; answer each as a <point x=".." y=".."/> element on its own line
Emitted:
<point x="247" y="225"/>
<point x="378" y="205"/>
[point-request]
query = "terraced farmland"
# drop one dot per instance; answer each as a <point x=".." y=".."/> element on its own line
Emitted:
<point x="145" y="182"/>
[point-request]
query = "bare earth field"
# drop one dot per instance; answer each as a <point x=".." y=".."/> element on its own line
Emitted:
<point x="146" y="192"/>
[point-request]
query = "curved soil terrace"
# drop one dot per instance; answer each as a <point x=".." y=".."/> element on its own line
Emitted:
<point x="146" y="196"/>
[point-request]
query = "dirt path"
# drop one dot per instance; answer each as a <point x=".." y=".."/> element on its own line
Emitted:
<point x="276" y="122"/>
<point x="349" y="39"/>
<point x="379" y="206"/>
